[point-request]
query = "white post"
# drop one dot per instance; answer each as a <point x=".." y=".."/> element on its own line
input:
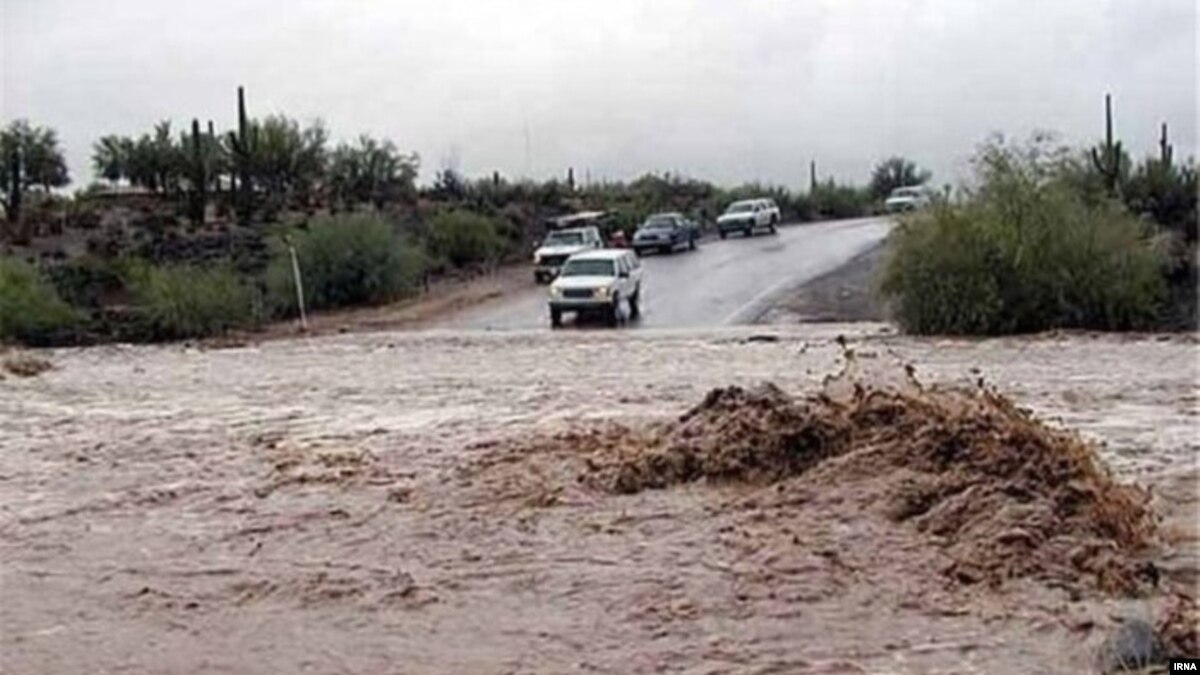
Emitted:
<point x="299" y="288"/>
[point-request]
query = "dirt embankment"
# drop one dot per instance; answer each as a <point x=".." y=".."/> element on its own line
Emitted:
<point x="847" y="293"/>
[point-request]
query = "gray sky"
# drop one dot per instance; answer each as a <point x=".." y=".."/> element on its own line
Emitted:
<point x="718" y="89"/>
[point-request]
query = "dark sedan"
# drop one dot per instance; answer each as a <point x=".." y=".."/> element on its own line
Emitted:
<point x="665" y="232"/>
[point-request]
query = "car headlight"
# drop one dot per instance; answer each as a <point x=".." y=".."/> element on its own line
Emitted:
<point x="555" y="291"/>
<point x="601" y="292"/>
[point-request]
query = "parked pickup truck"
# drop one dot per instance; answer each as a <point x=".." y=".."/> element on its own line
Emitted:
<point x="597" y="282"/>
<point x="560" y="245"/>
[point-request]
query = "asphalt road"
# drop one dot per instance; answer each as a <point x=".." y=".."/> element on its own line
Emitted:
<point x="723" y="282"/>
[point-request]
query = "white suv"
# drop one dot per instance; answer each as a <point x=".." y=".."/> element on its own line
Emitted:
<point x="908" y="198"/>
<point x="597" y="281"/>
<point x="560" y="245"/>
<point x="748" y="215"/>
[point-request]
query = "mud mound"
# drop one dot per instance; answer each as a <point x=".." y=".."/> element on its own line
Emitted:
<point x="1179" y="627"/>
<point x="26" y="366"/>
<point x="1006" y="495"/>
<point x="734" y="434"/>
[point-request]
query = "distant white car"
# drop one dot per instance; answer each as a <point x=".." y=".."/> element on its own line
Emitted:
<point x="560" y="245"/>
<point x="908" y="198"/>
<point x="747" y="216"/>
<point x="597" y="282"/>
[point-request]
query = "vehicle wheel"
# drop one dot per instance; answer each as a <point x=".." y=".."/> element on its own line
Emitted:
<point x="635" y="309"/>
<point x="721" y="233"/>
<point x="691" y="243"/>
<point x="772" y="229"/>
<point x="614" y="312"/>
<point x="555" y="318"/>
<point x="747" y="232"/>
<point x="539" y="278"/>
<point x="639" y="252"/>
<point x="665" y="249"/>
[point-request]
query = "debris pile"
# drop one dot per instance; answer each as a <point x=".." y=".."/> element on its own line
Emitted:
<point x="1004" y="494"/>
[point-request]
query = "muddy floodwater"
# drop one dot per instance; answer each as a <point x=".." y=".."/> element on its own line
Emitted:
<point x="378" y="503"/>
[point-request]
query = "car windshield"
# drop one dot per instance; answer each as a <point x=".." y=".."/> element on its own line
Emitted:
<point x="564" y="239"/>
<point x="906" y="192"/>
<point x="741" y="207"/>
<point x="659" y="223"/>
<point x="588" y="268"/>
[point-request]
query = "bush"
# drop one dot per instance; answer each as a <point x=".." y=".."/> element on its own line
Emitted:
<point x="463" y="238"/>
<point x="30" y="310"/>
<point x="1024" y="253"/>
<point x="348" y="259"/>
<point x="830" y="200"/>
<point x="185" y="301"/>
<point x="84" y="282"/>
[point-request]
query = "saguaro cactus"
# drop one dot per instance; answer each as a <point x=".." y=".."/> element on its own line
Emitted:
<point x="1109" y="158"/>
<point x="1165" y="151"/>
<point x="198" y="177"/>
<point x="242" y="147"/>
<point x="12" y="182"/>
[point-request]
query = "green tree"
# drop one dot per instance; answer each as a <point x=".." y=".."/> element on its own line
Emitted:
<point x="31" y="158"/>
<point x="372" y="172"/>
<point x="110" y="157"/>
<point x="896" y="172"/>
<point x="289" y="161"/>
<point x="153" y="161"/>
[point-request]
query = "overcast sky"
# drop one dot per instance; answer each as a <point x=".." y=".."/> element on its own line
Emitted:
<point x="718" y="89"/>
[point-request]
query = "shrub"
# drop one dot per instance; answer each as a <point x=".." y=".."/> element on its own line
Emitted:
<point x="186" y="301"/>
<point x="30" y="310"/>
<point x="347" y="259"/>
<point x="84" y="282"/>
<point x="1024" y="253"/>
<point x="830" y="200"/>
<point x="463" y="238"/>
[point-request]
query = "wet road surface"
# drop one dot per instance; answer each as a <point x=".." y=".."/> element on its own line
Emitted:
<point x="723" y="282"/>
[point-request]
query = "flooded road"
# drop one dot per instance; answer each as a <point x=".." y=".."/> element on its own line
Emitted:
<point x="341" y="504"/>
<point x="723" y="282"/>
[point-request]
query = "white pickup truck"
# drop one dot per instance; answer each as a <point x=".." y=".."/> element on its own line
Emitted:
<point x="597" y="282"/>
<point x="560" y="245"/>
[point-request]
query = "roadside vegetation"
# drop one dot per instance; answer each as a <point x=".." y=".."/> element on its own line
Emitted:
<point x="190" y="233"/>
<point x="31" y="311"/>
<point x="1050" y="237"/>
<point x="190" y="230"/>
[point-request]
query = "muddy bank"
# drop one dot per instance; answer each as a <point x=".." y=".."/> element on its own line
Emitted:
<point x="845" y="294"/>
<point x="358" y="503"/>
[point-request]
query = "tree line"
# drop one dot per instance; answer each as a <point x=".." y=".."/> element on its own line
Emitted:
<point x="271" y="164"/>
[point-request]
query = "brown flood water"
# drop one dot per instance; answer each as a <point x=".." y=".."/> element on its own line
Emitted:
<point x="354" y="504"/>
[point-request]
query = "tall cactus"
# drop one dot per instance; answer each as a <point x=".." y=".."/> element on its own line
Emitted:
<point x="214" y="160"/>
<point x="1165" y="151"/>
<point x="1109" y="158"/>
<point x="198" y="176"/>
<point x="242" y="147"/>
<point x="12" y="182"/>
